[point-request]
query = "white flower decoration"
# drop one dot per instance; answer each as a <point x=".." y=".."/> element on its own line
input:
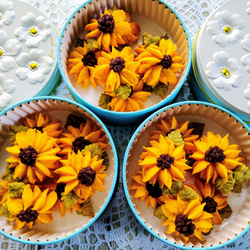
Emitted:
<point x="248" y="8"/>
<point x="245" y="42"/>
<point x="7" y="15"/>
<point x="34" y="29"/>
<point x="225" y="71"/>
<point x="35" y="66"/>
<point x="247" y="94"/>
<point x="6" y="87"/>
<point x="245" y="60"/>
<point x="227" y="28"/>
<point x="8" y="49"/>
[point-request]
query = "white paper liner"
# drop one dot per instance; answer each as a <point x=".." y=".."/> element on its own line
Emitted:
<point x="218" y="122"/>
<point x="153" y="17"/>
<point x="61" y="226"/>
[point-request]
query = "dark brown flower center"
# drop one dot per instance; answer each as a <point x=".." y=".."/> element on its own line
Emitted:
<point x="164" y="161"/>
<point x="117" y="64"/>
<point x="79" y="144"/>
<point x="28" y="215"/>
<point x="214" y="154"/>
<point x="28" y="155"/>
<point x="60" y="188"/>
<point x="39" y="128"/>
<point x="166" y="61"/>
<point x="106" y="23"/>
<point x="211" y="204"/>
<point x="184" y="225"/>
<point x="154" y="190"/>
<point x="86" y="176"/>
<point x="89" y="59"/>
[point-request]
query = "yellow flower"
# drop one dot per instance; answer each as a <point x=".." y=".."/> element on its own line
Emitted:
<point x="43" y="123"/>
<point x="4" y="190"/>
<point x="78" y="138"/>
<point x="186" y="218"/>
<point x="215" y="157"/>
<point x="113" y="28"/>
<point x="33" y="156"/>
<point x="34" y="206"/>
<point x="144" y="190"/>
<point x="126" y="98"/>
<point x="213" y="199"/>
<point x="81" y="63"/>
<point x="82" y="174"/>
<point x="163" y="162"/>
<point x="116" y="68"/>
<point x="166" y="126"/>
<point x="160" y="63"/>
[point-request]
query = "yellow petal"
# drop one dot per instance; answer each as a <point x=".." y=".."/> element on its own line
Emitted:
<point x="150" y="173"/>
<point x="40" y="202"/>
<point x="27" y="197"/>
<point x="140" y="192"/>
<point x="50" y="202"/>
<point x="15" y="206"/>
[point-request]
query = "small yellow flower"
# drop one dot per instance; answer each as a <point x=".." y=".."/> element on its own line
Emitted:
<point x="116" y="68"/>
<point x="166" y="126"/>
<point x="112" y="29"/>
<point x="160" y="63"/>
<point x="186" y="218"/>
<point x="163" y="162"/>
<point x="81" y="63"/>
<point x="34" y="156"/>
<point x="82" y="174"/>
<point x="34" y="206"/>
<point x="132" y="100"/>
<point x="43" y="123"/>
<point x="78" y="138"/>
<point x="215" y="157"/>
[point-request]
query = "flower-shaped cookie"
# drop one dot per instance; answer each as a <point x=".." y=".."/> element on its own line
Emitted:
<point x="225" y="71"/>
<point x="6" y="87"/>
<point x="34" y="66"/>
<point x="226" y="28"/>
<point x="7" y="15"/>
<point x="8" y="49"/>
<point x="34" y="29"/>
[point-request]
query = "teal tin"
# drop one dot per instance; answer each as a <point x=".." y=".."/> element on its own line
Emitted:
<point x="220" y="63"/>
<point x="144" y="14"/>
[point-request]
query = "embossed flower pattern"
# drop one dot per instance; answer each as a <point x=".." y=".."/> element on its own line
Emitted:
<point x="6" y="87"/>
<point x="248" y="8"/>
<point x="8" y="49"/>
<point x="33" y="30"/>
<point x="7" y="15"/>
<point x="247" y="94"/>
<point x="226" y="28"/>
<point x="34" y="65"/>
<point x="224" y="70"/>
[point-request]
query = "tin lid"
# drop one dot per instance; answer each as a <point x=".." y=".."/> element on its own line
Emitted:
<point x="222" y="57"/>
<point x="28" y="44"/>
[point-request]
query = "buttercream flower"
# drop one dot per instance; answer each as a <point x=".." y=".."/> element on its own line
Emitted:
<point x="33" y="30"/>
<point x="33" y="156"/>
<point x="186" y="137"/>
<point x="82" y="174"/>
<point x="187" y="219"/>
<point x="43" y="123"/>
<point x="127" y="98"/>
<point x="6" y="88"/>
<point x="146" y="191"/>
<point x="8" y="49"/>
<point x="7" y="15"/>
<point x="116" y="68"/>
<point x="77" y="138"/>
<point x="4" y="191"/>
<point x="112" y="28"/>
<point x="224" y="70"/>
<point x="160" y="63"/>
<point x="81" y="64"/>
<point x="163" y="162"/>
<point x="215" y="157"/>
<point x="213" y="198"/>
<point x="226" y="28"/>
<point x="35" y="205"/>
<point x="34" y="66"/>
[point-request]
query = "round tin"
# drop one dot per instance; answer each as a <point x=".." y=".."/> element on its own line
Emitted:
<point x="221" y="59"/>
<point x="28" y="63"/>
